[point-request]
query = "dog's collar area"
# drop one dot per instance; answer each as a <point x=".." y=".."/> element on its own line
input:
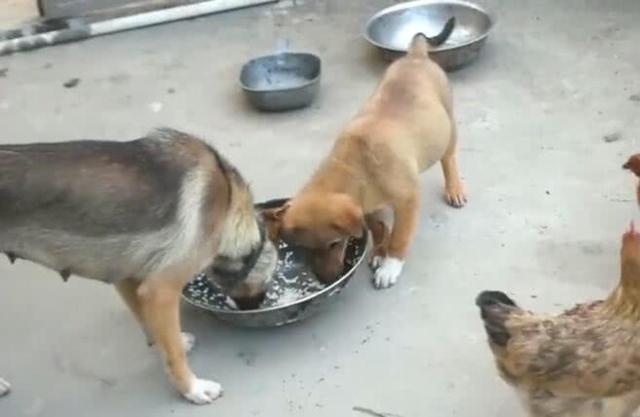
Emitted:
<point x="226" y="270"/>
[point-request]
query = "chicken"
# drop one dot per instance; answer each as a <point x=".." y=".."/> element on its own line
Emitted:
<point x="633" y="165"/>
<point x="582" y="363"/>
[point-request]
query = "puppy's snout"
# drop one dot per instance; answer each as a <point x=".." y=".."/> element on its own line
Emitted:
<point x="327" y="273"/>
<point x="328" y="264"/>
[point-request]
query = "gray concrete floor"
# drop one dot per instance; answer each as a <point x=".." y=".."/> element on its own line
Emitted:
<point x="548" y="203"/>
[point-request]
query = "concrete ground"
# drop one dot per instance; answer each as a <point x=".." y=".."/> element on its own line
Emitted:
<point x="546" y="117"/>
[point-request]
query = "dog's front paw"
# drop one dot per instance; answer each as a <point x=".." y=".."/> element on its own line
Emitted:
<point x="5" y="387"/>
<point x="387" y="272"/>
<point x="203" y="391"/>
<point x="455" y="196"/>
<point x="188" y="341"/>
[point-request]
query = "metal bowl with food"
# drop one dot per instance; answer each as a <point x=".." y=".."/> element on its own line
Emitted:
<point x="282" y="81"/>
<point x="293" y="294"/>
<point x="392" y="29"/>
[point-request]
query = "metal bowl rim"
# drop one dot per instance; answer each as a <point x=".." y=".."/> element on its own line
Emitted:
<point x="347" y="275"/>
<point x="412" y="4"/>
<point x="312" y="81"/>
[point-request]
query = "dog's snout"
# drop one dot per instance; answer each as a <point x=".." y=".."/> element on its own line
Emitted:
<point x="328" y="273"/>
<point x="328" y="264"/>
<point x="252" y="302"/>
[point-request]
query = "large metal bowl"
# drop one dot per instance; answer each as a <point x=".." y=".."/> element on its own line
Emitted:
<point x="284" y="81"/>
<point x="288" y="273"/>
<point x="392" y="29"/>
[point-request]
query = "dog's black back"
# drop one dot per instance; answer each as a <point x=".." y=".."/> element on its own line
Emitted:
<point x="91" y="188"/>
<point x="79" y="207"/>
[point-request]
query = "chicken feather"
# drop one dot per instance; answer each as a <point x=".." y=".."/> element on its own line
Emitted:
<point x="583" y="362"/>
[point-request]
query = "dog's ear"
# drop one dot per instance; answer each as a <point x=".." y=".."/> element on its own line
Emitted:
<point x="275" y="214"/>
<point x="272" y="219"/>
<point x="349" y="218"/>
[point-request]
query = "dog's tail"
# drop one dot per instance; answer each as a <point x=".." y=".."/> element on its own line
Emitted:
<point x="421" y="43"/>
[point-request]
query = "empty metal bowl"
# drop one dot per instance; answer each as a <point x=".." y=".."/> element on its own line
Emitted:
<point x="281" y="82"/>
<point x="293" y="294"/>
<point x="392" y="29"/>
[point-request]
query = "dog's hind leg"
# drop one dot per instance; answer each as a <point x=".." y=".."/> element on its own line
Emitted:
<point x="454" y="189"/>
<point x="5" y="387"/>
<point x="159" y="298"/>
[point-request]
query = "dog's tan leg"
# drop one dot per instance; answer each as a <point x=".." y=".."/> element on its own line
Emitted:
<point x="402" y="234"/>
<point x="454" y="189"/>
<point x="160" y="307"/>
<point x="380" y="235"/>
<point x="127" y="288"/>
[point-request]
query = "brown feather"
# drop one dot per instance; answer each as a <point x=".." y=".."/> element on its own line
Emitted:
<point x="587" y="354"/>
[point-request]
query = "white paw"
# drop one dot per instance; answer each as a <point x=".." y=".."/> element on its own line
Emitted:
<point x="203" y="391"/>
<point x="387" y="273"/>
<point x="375" y="262"/>
<point x="188" y="341"/>
<point x="5" y="387"/>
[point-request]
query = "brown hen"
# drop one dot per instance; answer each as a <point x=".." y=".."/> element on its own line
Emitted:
<point x="582" y="363"/>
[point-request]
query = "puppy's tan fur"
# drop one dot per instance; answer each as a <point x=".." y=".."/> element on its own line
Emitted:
<point x="404" y="128"/>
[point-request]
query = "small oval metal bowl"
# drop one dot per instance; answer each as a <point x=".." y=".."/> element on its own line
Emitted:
<point x="290" y="265"/>
<point x="392" y="29"/>
<point x="280" y="82"/>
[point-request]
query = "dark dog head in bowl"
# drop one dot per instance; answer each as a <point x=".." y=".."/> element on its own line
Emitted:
<point x="294" y="291"/>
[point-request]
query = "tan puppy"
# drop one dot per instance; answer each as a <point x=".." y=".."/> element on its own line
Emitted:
<point x="404" y="129"/>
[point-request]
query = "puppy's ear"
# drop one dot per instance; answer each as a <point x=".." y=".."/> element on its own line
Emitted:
<point x="275" y="214"/>
<point x="349" y="218"/>
<point x="273" y="220"/>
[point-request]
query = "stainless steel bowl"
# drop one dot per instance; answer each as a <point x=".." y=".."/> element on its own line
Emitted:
<point x="291" y="268"/>
<point x="281" y="82"/>
<point x="392" y="29"/>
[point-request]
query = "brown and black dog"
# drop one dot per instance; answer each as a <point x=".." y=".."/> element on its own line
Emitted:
<point x="144" y="215"/>
<point x="404" y="128"/>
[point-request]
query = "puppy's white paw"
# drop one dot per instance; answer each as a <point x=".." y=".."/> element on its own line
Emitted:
<point x="203" y="391"/>
<point x="387" y="273"/>
<point x="5" y="387"/>
<point x="375" y="262"/>
<point x="188" y="341"/>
